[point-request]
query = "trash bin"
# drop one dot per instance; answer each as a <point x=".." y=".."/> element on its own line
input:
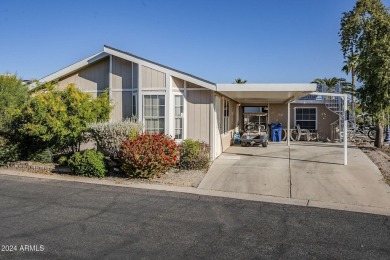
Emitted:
<point x="271" y="133"/>
<point x="276" y="132"/>
<point x="237" y="138"/>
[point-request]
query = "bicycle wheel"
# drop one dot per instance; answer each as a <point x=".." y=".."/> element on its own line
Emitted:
<point x="371" y="134"/>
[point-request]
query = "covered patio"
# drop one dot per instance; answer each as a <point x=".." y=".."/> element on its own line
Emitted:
<point x="279" y="94"/>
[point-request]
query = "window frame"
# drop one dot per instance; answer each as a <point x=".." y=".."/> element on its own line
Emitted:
<point x="316" y="114"/>
<point x="178" y="117"/>
<point x="226" y="119"/>
<point x="134" y="104"/>
<point x="144" y="118"/>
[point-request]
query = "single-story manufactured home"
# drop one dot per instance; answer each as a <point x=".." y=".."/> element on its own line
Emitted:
<point x="185" y="106"/>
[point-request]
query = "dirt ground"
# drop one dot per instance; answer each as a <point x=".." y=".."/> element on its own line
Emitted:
<point x="175" y="177"/>
<point x="381" y="157"/>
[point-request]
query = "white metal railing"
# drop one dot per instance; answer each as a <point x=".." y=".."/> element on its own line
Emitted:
<point x="317" y="98"/>
<point x="335" y="131"/>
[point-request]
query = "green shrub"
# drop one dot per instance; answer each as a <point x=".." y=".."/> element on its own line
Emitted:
<point x="13" y="94"/>
<point x="63" y="160"/>
<point x="89" y="163"/>
<point x="45" y="156"/>
<point x="8" y="152"/>
<point x="59" y="118"/>
<point x="194" y="155"/>
<point x="110" y="136"/>
<point x="148" y="155"/>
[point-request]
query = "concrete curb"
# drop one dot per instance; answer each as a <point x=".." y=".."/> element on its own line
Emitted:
<point x="204" y="192"/>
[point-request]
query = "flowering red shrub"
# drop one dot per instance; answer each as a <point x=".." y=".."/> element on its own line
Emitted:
<point x="148" y="155"/>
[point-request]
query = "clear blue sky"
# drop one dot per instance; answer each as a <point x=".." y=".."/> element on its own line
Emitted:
<point x="260" y="41"/>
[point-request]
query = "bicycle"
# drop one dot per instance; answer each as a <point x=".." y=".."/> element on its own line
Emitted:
<point x="361" y="133"/>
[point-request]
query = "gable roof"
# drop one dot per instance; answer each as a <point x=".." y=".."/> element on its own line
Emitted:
<point x="74" y="67"/>
<point x="115" y="52"/>
<point x="107" y="50"/>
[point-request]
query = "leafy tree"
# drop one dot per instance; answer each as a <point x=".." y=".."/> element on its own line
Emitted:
<point x="59" y="118"/>
<point x="350" y="67"/>
<point x="330" y="82"/>
<point x="239" y="81"/>
<point x="365" y="31"/>
<point x="13" y="94"/>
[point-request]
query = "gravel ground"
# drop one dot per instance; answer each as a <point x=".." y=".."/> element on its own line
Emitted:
<point x="174" y="177"/>
<point x="381" y="157"/>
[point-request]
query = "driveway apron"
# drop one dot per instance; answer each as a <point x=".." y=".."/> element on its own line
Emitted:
<point x="256" y="170"/>
<point x="318" y="173"/>
<point x="307" y="170"/>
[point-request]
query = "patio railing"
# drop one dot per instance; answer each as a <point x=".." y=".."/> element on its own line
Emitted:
<point x="316" y="98"/>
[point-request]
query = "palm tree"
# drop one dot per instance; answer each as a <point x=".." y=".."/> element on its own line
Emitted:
<point x="330" y="83"/>
<point x="350" y="66"/>
<point x="239" y="81"/>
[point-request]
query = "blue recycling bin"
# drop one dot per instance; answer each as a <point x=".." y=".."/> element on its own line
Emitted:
<point x="237" y="138"/>
<point x="276" y="132"/>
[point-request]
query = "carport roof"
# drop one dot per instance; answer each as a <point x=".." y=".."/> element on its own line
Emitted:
<point x="266" y="93"/>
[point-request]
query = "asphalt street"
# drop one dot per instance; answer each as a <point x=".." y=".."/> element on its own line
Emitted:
<point x="48" y="219"/>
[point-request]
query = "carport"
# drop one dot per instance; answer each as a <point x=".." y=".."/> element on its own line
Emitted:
<point x="280" y="94"/>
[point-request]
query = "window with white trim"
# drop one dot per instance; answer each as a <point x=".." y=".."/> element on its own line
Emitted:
<point x="134" y="105"/>
<point x="154" y="113"/>
<point x="306" y="117"/>
<point x="225" y="115"/>
<point x="179" y="117"/>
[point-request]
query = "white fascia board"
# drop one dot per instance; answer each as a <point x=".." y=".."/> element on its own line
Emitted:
<point x="299" y="87"/>
<point x="78" y="65"/>
<point x="142" y="62"/>
<point x="329" y="94"/>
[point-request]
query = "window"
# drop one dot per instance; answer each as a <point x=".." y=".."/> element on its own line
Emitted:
<point x="134" y="104"/>
<point x="154" y="113"/>
<point x="306" y="118"/>
<point x="225" y="115"/>
<point x="179" y="114"/>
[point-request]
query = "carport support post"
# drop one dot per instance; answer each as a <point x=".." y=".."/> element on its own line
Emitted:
<point x="288" y="124"/>
<point x="345" y="113"/>
<point x="345" y="130"/>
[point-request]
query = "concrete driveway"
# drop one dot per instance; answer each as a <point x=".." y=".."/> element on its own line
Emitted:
<point x="307" y="170"/>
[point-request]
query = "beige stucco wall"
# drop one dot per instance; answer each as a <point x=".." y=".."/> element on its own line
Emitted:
<point x="94" y="77"/>
<point x="198" y="114"/>
<point x="152" y="78"/>
<point x="278" y="114"/>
